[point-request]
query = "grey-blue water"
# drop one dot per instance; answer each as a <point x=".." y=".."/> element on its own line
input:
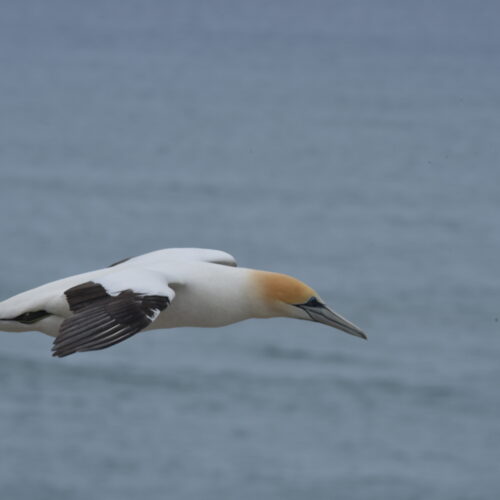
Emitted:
<point x="352" y="144"/>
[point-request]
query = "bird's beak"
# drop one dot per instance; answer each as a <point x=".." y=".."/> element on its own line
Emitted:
<point x="323" y="314"/>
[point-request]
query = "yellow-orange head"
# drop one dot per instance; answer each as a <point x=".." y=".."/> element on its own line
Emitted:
<point x="280" y="290"/>
<point x="282" y="295"/>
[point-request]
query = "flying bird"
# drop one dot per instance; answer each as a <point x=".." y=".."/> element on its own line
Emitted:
<point x="163" y="289"/>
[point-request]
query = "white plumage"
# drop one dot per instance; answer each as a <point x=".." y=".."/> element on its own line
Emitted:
<point x="162" y="289"/>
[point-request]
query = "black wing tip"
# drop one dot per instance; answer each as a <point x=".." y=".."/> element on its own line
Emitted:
<point x="60" y="350"/>
<point x="105" y="321"/>
<point x="117" y="263"/>
<point x="56" y="353"/>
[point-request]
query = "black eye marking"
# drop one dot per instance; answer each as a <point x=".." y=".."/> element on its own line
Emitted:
<point x="313" y="302"/>
<point x="32" y="316"/>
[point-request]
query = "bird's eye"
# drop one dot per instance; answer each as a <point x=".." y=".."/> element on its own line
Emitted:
<point x="32" y="316"/>
<point x="313" y="302"/>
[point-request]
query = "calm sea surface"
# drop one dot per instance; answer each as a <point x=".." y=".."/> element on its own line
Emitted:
<point x="354" y="145"/>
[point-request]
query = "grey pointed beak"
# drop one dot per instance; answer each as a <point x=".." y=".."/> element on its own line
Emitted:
<point x="323" y="314"/>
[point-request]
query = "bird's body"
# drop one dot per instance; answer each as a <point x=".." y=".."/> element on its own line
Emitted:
<point x="163" y="289"/>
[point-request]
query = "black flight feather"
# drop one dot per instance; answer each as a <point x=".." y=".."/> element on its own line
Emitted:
<point x="102" y="320"/>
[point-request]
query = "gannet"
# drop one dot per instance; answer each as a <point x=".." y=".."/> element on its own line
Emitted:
<point x="163" y="289"/>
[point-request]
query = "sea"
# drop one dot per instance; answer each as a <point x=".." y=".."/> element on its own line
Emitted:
<point x="352" y="144"/>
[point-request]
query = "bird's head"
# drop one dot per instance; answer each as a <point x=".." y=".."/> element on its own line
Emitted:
<point x="289" y="297"/>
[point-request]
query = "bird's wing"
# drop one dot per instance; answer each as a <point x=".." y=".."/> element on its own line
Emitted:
<point x="182" y="254"/>
<point x="111" y="309"/>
